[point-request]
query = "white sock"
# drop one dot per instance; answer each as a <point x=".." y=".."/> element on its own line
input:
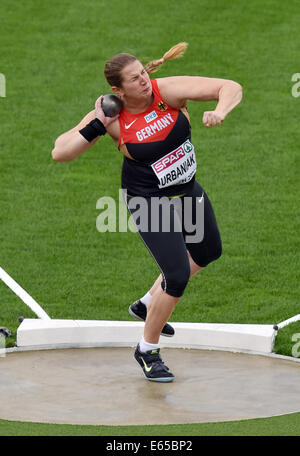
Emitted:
<point x="146" y="299"/>
<point x="145" y="346"/>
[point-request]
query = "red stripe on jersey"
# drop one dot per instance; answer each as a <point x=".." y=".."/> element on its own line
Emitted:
<point x="152" y="125"/>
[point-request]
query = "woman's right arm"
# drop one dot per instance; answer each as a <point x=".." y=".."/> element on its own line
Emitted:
<point x="71" y="144"/>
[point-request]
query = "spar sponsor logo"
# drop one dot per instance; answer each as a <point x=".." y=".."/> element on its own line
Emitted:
<point x="167" y="160"/>
<point x="177" y="167"/>
<point x="188" y="146"/>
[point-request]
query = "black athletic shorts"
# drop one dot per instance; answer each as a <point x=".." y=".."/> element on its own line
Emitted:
<point x="173" y="226"/>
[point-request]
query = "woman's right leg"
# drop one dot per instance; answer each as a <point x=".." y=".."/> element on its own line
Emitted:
<point x="158" y="313"/>
<point x="194" y="268"/>
<point x="170" y="254"/>
<point x="167" y="247"/>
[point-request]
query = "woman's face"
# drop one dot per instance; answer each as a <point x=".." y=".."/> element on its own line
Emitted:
<point x="135" y="81"/>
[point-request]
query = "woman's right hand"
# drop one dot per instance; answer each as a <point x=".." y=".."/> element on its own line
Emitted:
<point x="100" y="114"/>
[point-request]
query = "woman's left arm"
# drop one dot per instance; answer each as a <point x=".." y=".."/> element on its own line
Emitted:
<point x="177" y="90"/>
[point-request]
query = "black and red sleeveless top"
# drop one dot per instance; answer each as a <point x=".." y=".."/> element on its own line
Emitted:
<point x="159" y="155"/>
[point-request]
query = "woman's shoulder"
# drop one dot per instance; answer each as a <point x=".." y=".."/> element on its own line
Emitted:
<point x="168" y="89"/>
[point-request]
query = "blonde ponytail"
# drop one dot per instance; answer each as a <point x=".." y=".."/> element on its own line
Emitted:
<point x="176" y="51"/>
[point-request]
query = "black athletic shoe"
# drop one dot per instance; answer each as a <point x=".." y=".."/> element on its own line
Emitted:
<point x="153" y="366"/>
<point x="139" y="310"/>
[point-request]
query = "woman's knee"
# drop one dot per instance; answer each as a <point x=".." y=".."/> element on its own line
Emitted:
<point x="175" y="282"/>
<point x="216" y="251"/>
<point x="208" y="253"/>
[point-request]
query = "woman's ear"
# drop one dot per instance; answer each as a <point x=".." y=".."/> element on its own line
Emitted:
<point x="117" y="91"/>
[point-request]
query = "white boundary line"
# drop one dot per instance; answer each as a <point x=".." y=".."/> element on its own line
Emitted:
<point x="23" y="295"/>
<point x="288" y="322"/>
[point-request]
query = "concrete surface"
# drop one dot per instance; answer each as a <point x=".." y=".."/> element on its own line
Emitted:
<point x="106" y="386"/>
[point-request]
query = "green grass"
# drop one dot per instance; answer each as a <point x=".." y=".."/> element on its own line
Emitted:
<point x="286" y="425"/>
<point x="53" y="57"/>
